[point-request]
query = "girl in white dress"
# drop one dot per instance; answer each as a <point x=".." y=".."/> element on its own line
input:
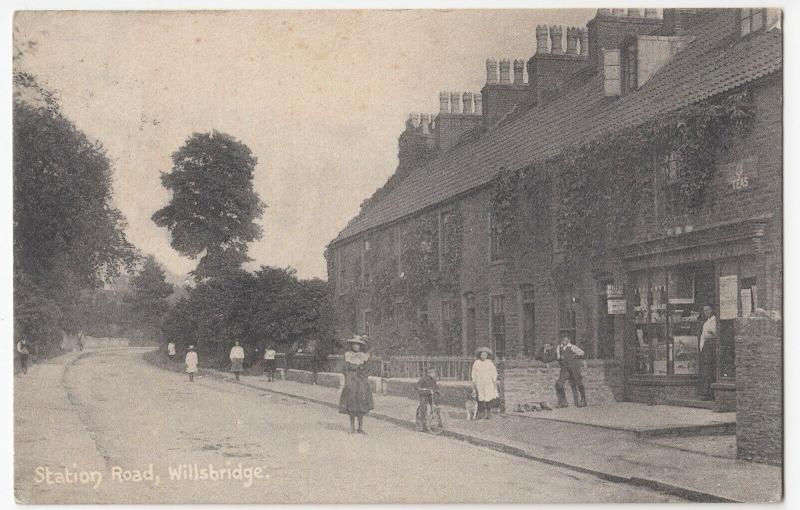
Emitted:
<point x="484" y="380"/>
<point x="191" y="362"/>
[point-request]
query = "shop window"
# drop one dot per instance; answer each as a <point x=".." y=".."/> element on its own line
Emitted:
<point x="567" y="302"/>
<point x="498" y="325"/>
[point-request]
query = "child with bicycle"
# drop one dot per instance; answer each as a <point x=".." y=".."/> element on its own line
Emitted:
<point x="426" y="387"/>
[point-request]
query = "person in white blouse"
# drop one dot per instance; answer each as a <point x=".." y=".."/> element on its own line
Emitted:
<point x="237" y="359"/>
<point x="708" y="354"/>
<point x="191" y="363"/>
<point x="484" y="381"/>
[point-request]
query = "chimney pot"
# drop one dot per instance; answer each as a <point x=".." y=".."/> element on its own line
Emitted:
<point x="541" y="39"/>
<point x="444" y="102"/>
<point x="572" y="41"/>
<point x="555" y="39"/>
<point x="519" y="68"/>
<point x="415" y="120"/>
<point x="467" y="99"/>
<point x="505" y="70"/>
<point x="478" y="98"/>
<point x="634" y="13"/>
<point x="583" y="34"/>
<point x="425" y="123"/>
<point x="455" y="102"/>
<point x="491" y="70"/>
<point x="604" y="12"/>
<point x="651" y="13"/>
<point x="618" y="12"/>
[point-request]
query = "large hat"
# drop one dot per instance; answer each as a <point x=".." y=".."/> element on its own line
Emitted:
<point x="191" y="347"/>
<point x="479" y="350"/>
<point x="357" y="339"/>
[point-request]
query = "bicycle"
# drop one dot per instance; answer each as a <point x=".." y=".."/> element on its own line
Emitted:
<point x="431" y="417"/>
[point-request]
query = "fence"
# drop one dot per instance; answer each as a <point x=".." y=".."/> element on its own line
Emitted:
<point x="452" y="368"/>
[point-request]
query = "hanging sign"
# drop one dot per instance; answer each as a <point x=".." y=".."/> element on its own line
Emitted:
<point x="728" y="297"/>
<point x="616" y="307"/>
<point x="615" y="291"/>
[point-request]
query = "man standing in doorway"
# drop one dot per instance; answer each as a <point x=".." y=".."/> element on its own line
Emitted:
<point x="708" y="354"/>
<point x="567" y="355"/>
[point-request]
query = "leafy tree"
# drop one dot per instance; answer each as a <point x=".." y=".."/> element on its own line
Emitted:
<point x="150" y="291"/>
<point x="214" y="206"/>
<point x="67" y="234"/>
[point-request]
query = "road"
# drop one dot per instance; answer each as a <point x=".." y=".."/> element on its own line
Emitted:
<point x="108" y="415"/>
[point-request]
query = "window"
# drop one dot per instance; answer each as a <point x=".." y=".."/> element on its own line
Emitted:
<point x="498" y="325"/>
<point x="528" y="321"/>
<point x="342" y="283"/>
<point x="611" y="72"/>
<point x="399" y="312"/>
<point x="566" y="313"/>
<point x="631" y="78"/>
<point x="445" y="232"/>
<point x="423" y="313"/>
<point x="447" y="312"/>
<point x="365" y="264"/>
<point x="751" y="20"/>
<point x="496" y="242"/>
<point x="667" y="176"/>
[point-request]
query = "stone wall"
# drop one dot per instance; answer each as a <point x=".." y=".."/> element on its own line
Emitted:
<point x="759" y="390"/>
<point x="534" y="381"/>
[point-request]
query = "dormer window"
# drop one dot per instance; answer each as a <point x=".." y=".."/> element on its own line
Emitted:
<point x="758" y="20"/>
<point x="612" y="79"/>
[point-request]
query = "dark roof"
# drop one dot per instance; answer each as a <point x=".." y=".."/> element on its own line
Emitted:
<point x="708" y="66"/>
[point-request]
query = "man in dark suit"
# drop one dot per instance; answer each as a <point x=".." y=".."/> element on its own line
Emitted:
<point x="568" y="356"/>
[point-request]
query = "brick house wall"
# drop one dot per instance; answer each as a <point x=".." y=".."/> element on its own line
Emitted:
<point x="759" y="390"/>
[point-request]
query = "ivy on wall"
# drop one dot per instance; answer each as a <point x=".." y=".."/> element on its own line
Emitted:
<point x="596" y="190"/>
<point x="398" y="290"/>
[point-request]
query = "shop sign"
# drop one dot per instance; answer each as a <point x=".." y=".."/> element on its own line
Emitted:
<point x="740" y="174"/>
<point x="616" y="307"/>
<point x="728" y="297"/>
<point x="615" y="291"/>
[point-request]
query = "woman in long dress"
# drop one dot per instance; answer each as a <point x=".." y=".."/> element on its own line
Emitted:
<point x="356" y="399"/>
<point x="484" y="380"/>
<point x="191" y="362"/>
<point x="237" y="359"/>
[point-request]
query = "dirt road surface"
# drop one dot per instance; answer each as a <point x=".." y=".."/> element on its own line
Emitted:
<point x="110" y="415"/>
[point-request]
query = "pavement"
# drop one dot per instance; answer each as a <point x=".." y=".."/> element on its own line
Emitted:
<point x="110" y="411"/>
<point x="690" y="468"/>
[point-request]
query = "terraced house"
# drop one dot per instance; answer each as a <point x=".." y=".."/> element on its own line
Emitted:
<point x="634" y="177"/>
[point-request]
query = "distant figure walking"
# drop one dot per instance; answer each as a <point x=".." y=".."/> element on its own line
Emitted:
<point x="171" y="350"/>
<point x="81" y="344"/>
<point x="484" y="380"/>
<point x="269" y="362"/>
<point x="356" y="399"/>
<point x="191" y="363"/>
<point x="23" y="352"/>
<point x="237" y="359"/>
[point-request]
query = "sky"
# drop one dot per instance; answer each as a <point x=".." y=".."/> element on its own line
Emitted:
<point x="320" y="97"/>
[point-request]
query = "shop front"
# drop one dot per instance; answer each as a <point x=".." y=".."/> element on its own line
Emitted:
<point x="677" y="285"/>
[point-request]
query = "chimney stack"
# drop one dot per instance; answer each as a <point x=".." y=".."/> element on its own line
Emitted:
<point x="572" y="41"/>
<point x="415" y="120"/>
<point x="425" y="120"/>
<point x="478" y="98"/>
<point x="634" y="13"/>
<point x="583" y="34"/>
<point x="491" y="71"/>
<point x="541" y="39"/>
<point x="519" y="67"/>
<point x="444" y="102"/>
<point x="618" y="12"/>
<point x="651" y="13"/>
<point x="505" y="71"/>
<point x="455" y="102"/>
<point x="555" y="40"/>
<point x="467" y="98"/>
<point x="604" y="12"/>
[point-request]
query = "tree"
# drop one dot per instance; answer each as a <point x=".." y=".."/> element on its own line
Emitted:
<point x="214" y="206"/>
<point x="67" y="234"/>
<point x="150" y="291"/>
